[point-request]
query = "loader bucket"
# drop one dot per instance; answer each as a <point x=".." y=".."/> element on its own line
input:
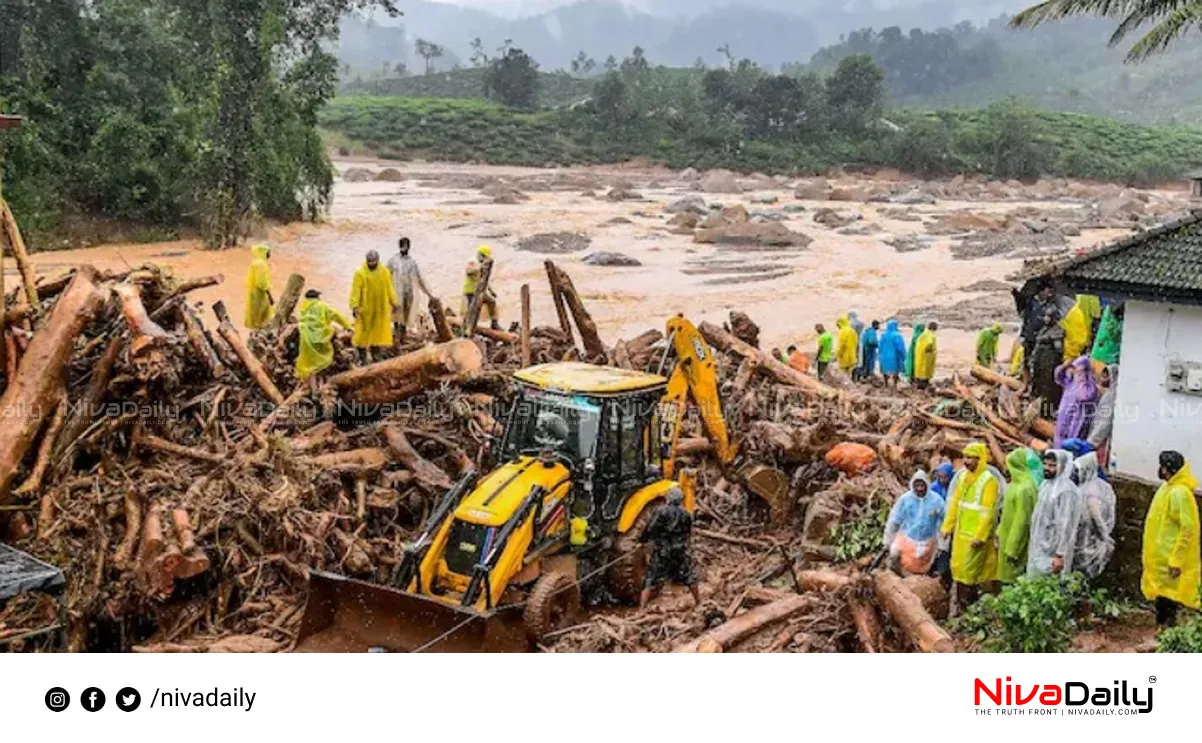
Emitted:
<point x="771" y="486"/>
<point x="345" y="615"/>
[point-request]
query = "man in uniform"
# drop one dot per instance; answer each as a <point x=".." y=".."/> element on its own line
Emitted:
<point x="669" y="532"/>
<point x="472" y="274"/>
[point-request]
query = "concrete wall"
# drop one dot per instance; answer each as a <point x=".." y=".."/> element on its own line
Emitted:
<point x="1148" y="418"/>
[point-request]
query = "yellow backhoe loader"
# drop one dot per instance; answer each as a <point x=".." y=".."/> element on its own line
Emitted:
<point x="589" y="454"/>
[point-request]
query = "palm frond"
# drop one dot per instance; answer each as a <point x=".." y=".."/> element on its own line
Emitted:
<point x="1166" y="32"/>
<point x="1145" y="12"/>
<point x="1054" y="10"/>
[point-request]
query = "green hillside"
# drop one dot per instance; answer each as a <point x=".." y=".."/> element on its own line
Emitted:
<point x="555" y="89"/>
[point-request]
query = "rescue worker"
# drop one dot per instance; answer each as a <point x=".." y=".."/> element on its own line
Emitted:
<point x="1055" y="519"/>
<point x="1014" y="531"/>
<point x="915" y="333"/>
<point x="1076" y="332"/>
<point x="258" y="288"/>
<point x="977" y="491"/>
<point x="798" y="360"/>
<point x="1078" y="401"/>
<point x="870" y="343"/>
<point x="316" y="328"/>
<point x="826" y="345"/>
<point x="940" y="483"/>
<point x="853" y="319"/>
<point x="1170" y="549"/>
<point x="1045" y="358"/>
<point x="776" y="354"/>
<point x="1109" y="339"/>
<point x="372" y="303"/>
<point x="1103" y="420"/>
<point x="845" y="345"/>
<point x="405" y="274"/>
<point x="670" y="562"/>
<point x="987" y="342"/>
<point x="1018" y="358"/>
<point x="925" y="354"/>
<point x="893" y="353"/>
<point x="912" y="532"/>
<point x="1095" y="540"/>
<point x="471" y="278"/>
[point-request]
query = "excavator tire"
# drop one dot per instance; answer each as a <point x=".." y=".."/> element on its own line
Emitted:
<point x="553" y="603"/>
<point x="626" y="576"/>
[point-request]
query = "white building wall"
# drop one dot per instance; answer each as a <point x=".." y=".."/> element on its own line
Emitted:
<point x="1148" y="418"/>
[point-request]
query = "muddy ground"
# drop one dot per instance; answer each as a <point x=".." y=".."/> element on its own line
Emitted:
<point x="851" y="263"/>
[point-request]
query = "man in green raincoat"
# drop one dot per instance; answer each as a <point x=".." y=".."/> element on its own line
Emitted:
<point x="970" y="522"/>
<point x="316" y="335"/>
<point x="987" y="341"/>
<point x="915" y="334"/>
<point x="1110" y="336"/>
<point x="1015" y="528"/>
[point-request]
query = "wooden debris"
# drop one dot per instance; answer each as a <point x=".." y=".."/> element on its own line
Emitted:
<point x="250" y="362"/>
<point x="907" y="610"/>
<point x="394" y="380"/>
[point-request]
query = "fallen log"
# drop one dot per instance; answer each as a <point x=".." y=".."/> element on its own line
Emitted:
<point x="553" y="278"/>
<point x="41" y="373"/>
<point x="594" y="349"/>
<point x="85" y="411"/>
<point x="442" y="329"/>
<point x="758" y="544"/>
<point x="354" y="460"/>
<point x="725" y="341"/>
<point x="185" y="286"/>
<point x="868" y="625"/>
<point x="823" y="580"/>
<point x="249" y="361"/>
<point x="726" y="635"/>
<point x="287" y="303"/>
<point x="394" y="380"/>
<point x="12" y="235"/>
<point x="907" y="610"/>
<point x="33" y="483"/>
<point x="199" y="340"/>
<point x="146" y="332"/>
<point x="432" y="479"/>
<point x="500" y="336"/>
<point x="193" y="561"/>
<point x="991" y="377"/>
<point x="1043" y="428"/>
<point x="473" y="309"/>
<point x="525" y="337"/>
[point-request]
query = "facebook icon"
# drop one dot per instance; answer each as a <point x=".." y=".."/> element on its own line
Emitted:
<point x="92" y="699"/>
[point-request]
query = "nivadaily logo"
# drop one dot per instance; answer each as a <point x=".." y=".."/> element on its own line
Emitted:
<point x="1070" y="697"/>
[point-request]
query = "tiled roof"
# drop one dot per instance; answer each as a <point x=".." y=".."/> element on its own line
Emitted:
<point x="9" y="122"/>
<point x="1163" y="264"/>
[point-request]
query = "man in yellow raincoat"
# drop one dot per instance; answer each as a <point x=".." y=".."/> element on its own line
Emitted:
<point x="471" y="278"/>
<point x="1170" y="550"/>
<point x="971" y="521"/>
<point x="372" y="302"/>
<point x="925" y="353"/>
<point x="316" y="334"/>
<point x="1076" y="333"/>
<point x="258" y="289"/>
<point x="846" y="345"/>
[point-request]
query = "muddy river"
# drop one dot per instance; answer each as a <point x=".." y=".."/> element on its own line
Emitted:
<point x="786" y="290"/>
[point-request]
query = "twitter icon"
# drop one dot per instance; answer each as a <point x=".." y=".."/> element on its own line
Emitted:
<point x="128" y="699"/>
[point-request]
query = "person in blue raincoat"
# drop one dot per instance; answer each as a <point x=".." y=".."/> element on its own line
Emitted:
<point x="941" y="480"/>
<point x="869" y="344"/>
<point x="892" y="352"/>
<point x="912" y="532"/>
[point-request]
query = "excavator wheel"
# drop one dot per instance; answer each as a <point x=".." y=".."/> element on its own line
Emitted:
<point x="626" y="576"/>
<point x="553" y="603"/>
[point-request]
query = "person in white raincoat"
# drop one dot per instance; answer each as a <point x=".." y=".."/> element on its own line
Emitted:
<point x="1095" y="540"/>
<point x="1057" y="515"/>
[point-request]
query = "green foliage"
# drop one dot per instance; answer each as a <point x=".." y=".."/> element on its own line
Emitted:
<point x="553" y="89"/>
<point x="855" y="93"/>
<point x="926" y="148"/>
<point x="859" y="537"/>
<point x="513" y="80"/>
<point x="1036" y="615"/>
<point x="1010" y="142"/>
<point x="1186" y="637"/>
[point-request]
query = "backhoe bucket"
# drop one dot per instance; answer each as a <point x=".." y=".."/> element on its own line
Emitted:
<point x="345" y="615"/>
<point x="771" y="486"/>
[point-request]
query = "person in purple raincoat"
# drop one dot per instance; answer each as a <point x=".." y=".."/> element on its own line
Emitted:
<point x="1078" y="401"/>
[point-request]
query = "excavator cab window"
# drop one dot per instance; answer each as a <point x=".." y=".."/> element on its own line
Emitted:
<point x="631" y="443"/>
<point x="540" y="420"/>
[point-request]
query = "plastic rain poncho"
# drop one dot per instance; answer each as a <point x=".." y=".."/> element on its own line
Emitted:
<point x="1055" y="521"/>
<point x="372" y="295"/>
<point x="1017" y="359"/>
<point x="1076" y="333"/>
<point x="915" y="334"/>
<point x="1171" y="541"/>
<point x="912" y="532"/>
<point x="1103" y="419"/>
<point x="406" y="280"/>
<point x="258" y="287"/>
<point x="1095" y="540"/>
<point x="987" y="342"/>
<point x="1078" y="401"/>
<point x="869" y="344"/>
<point x="316" y="328"/>
<point x="925" y="353"/>
<point x="853" y="319"/>
<point x="845" y="344"/>
<point x="1035" y="466"/>
<point x="1109" y="342"/>
<point x="893" y="350"/>
<point x="826" y="345"/>
<point x="972" y="518"/>
<point x="948" y="470"/>
<point x="1014" y="531"/>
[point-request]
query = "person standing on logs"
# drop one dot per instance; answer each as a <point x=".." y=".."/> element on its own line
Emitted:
<point x="405" y="274"/>
<point x="826" y="346"/>
<point x="971" y="522"/>
<point x="258" y="289"/>
<point x="372" y="302"/>
<point x="472" y="275"/>
<point x="316" y="328"/>
<point x="669" y="532"/>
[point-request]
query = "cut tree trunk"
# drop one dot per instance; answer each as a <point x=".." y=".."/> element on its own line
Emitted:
<point x="557" y="299"/>
<point x="199" y="340"/>
<point x="525" y="338"/>
<point x="594" y="349"/>
<point x="249" y="361"/>
<point x="992" y="377"/>
<point x="41" y="374"/>
<point x="725" y="636"/>
<point x="85" y="412"/>
<point x="12" y="234"/>
<point x="442" y="329"/>
<point x="473" y="309"/>
<point x="34" y="482"/>
<point x="146" y="332"/>
<point x="396" y="379"/>
<point x="868" y="625"/>
<point x="287" y="303"/>
<point x="431" y="478"/>
<point x="784" y="374"/>
<point x="907" y="610"/>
